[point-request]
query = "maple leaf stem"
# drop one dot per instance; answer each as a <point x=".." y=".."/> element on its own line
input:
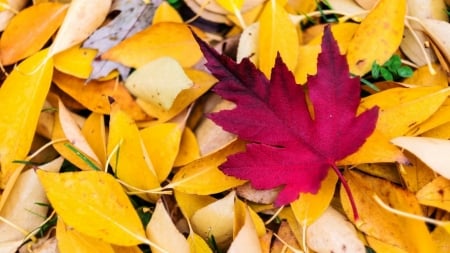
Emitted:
<point x="348" y="191"/>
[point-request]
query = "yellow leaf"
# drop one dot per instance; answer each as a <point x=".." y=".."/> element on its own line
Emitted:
<point x="126" y="249"/>
<point x="166" y="13"/>
<point x="381" y="246"/>
<point x="190" y="203"/>
<point x="305" y="6"/>
<point x="189" y="149"/>
<point x="162" y="142"/>
<point x="29" y="30"/>
<point x="216" y="219"/>
<point x="75" y="61"/>
<point x="94" y="132"/>
<point x="309" y="207"/>
<point x="197" y="244"/>
<point x="277" y="34"/>
<point x="232" y="6"/>
<point x="441" y="237"/>
<point x="415" y="174"/>
<point x="202" y="83"/>
<point x="423" y="77"/>
<point x="130" y="162"/>
<point x="245" y="237"/>
<point x="164" y="233"/>
<point x="79" y="199"/>
<point x="402" y="109"/>
<point x="94" y="95"/>
<point x="378" y="36"/>
<point x="70" y="239"/>
<point x="158" y="82"/>
<point x="436" y="193"/>
<point x="240" y="217"/>
<point x="408" y="234"/>
<point x="26" y="85"/>
<point x="75" y="29"/>
<point x="440" y="117"/>
<point x="203" y="176"/>
<point x="162" y="39"/>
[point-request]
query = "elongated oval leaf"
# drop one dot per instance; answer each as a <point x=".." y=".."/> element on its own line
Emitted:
<point x="30" y="81"/>
<point x="95" y="204"/>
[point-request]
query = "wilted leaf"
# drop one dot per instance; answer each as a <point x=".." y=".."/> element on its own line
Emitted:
<point x="377" y="37"/>
<point x="158" y="82"/>
<point x="29" y="30"/>
<point x="79" y="198"/>
<point x="30" y="80"/>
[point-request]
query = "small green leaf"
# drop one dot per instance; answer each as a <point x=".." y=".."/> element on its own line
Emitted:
<point x="375" y="70"/>
<point x="386" y="74"/>
<point x="404" y="71"/>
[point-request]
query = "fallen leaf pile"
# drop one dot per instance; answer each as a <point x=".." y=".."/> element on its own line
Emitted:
<point x="225" y="126"/>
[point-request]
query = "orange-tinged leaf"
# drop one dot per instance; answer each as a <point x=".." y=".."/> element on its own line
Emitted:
<point x="29" y="30"/>
<point x="94" y="132"/>
<point x="423" y="77"/>
<point x="309" y="207"/>
<point x="436" y="193"/>
<point x="131" y="162"/>
<point x="202" y="83"/>
<point x="166" y="13"/>
<point x="405" y="233"/>
<point x="82" y="18"/>
<point x="75" y="61"/>
<point x="69" y="239"/>
<point x="203" y="176"/>
<point x="277" y="34"/>
<point x="164" y="233"/>
<point x="162" y="39"/>
<point x="162" y="142"/>
<point x="94" y="95"/>
<point x="14" y="6"/>
<point x="189" y="149"/>
<point x="378" y="36"/>
<point x="79" y="199"/>
<point x="18" y="119"/>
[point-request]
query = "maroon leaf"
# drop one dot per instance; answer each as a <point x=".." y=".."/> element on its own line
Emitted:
<point x="289" y="146"/>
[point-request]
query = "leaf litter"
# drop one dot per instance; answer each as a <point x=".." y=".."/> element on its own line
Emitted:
<point x="339" y="116"/>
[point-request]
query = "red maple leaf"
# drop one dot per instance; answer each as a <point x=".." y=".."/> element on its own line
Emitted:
<point x="289" y="146"/>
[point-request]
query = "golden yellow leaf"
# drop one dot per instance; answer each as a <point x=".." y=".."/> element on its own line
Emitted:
<point x="232" y="6"/>
<point x="158" y="82"/>
<point x="202" y="83"/>
<point x="75" y="29"/>
<point x="441" y="237"/>
<point x="415" y="174"/>
<point x="240" y="217"/>
<point x="79" y="199"/>
<point x="436" y="193"/>
<point x="302" y="7"/>
<point x="216" y="219"/>
<point x="440" y="117"/>
<point x="203" y="176"/>
<point x="94" y="132"/>
<point x="94" y="95"/>
<point x="30" y="81"/>
<point x="381" y="246"/>
<point x="162" y="142"/>
<point x="197" y="244"/>
<point x="162" y="39"/>
<point x="75" y="61"/>
<point x="29" y="30"/>
<point x="401" y="109"/>
<point x="309" y="207"/>
<point x="126" y="249"/>
<point x="166" y="13"/>
<point x="164" y="233"/>
<point x="189" y="149"/>
<point x="130" y="161"/>
<point x="408" y="234"/>
<point x="277" y="34"/>
<point x="378" y="36"/>
<point x="70" y="240"/>
<point x="423" y="77"/>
